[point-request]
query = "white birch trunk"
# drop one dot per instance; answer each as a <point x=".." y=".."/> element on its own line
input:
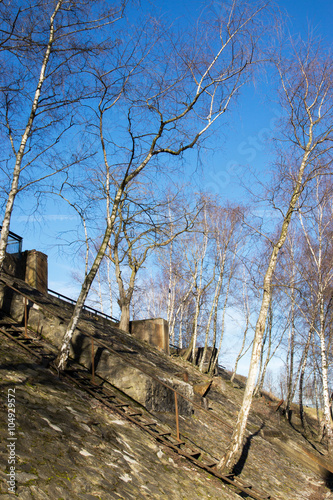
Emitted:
<point x="324" y="283"/>
<point x="291" y="349"/>
<point x="213" y="365"/>
<point x="20" y="153"/>
<point x="247" y="324"/>
<point x="214" y="305"/>
<point x="180" y="339"/>
<point x="234" y="449"/>
<point x="324" y="368"/>
<point x="199" y="291"/>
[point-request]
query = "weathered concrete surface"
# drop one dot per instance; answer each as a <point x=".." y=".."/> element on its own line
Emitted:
<point x="14" y="265"/>
<point x="153" y="331"/>
<point x="36" y="270"/>
<point x="30" y="266"/>
<point x="276" y="457"/>
<point x="126" y="376"/>
<point x="272" y="460"/>
<point x="69" y="447"/>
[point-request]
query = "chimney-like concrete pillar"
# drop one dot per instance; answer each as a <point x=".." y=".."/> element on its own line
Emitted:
<point x="153" y="331"/>
<point x="36" y="270"/>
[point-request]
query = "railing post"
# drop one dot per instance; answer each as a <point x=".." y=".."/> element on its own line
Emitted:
<point x="92" y="361"/>
<point x="177" y="418"/>
<point x="25" y="317"/>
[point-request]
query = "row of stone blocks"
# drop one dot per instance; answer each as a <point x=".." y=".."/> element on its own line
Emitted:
<point x="121" y="371"/>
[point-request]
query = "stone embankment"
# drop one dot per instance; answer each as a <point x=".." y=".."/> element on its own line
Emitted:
<point x="70" y="447"/>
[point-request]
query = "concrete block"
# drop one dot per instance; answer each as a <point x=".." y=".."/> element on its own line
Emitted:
<point x="131" y="380"/>
<point x="153" y="331"/>
<point x="121" y="371"/>
<point x="36" y="272"/>
<point x="210" y="354"/>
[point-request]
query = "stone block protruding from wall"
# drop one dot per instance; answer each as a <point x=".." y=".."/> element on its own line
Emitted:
<point x="36" y="270"/>
<point x="154" y="394"/>
<point x="30" y="266"/>
<point x="211" y="353"/>
<point x="123" y="365"/>
<point x="153" y="331"/>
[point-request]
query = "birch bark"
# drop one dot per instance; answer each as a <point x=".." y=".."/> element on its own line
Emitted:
<point x="19" y="154"/>
<point x="308" y="102"/>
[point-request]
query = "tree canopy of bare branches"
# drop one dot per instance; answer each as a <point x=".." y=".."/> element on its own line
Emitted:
<point x="175" y="89"/>
<point x="306" y="146"/>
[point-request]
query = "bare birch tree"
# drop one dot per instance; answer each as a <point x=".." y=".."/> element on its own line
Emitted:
<point x="180" y="89"/>
<point x="290" y="276"/>
<point x="272" y="344"/>
<point x="246" y="314"/>
<point x="317" y="238"/>
<point x="306" y="83"/>
<point x="44" y="48"/>
<point x="226" y="234"/>
<point x="142" y="227"/>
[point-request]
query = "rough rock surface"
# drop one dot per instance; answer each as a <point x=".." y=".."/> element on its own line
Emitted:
<point x="133" y="366"/>
<point x="69" y="447"/>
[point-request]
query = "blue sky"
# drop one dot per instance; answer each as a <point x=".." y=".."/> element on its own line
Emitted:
<point x="243" y="146"/>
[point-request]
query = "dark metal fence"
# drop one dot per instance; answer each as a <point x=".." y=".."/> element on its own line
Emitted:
<point x="85" y="308"/>
<point x="14" y="243"/>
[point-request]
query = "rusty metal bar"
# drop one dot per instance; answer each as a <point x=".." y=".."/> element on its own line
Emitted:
<point x="230" y="479"/>
<point x="92" y="361"/>
<point x="25" y="317"/>
<point x="103" y="344"/>
<point x="24" y="346"/>
<point x="177" y="415"/>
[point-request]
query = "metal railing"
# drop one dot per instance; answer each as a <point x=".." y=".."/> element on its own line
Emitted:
<point x="248" y="489"/>
<point x="14" y="243"/>
<point x="85" y="308"/>
<point x="101" y="343"/>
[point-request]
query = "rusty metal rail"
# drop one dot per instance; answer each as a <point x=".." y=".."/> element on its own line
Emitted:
<point x="100" y="342"/>
<point x="110" y="398"/>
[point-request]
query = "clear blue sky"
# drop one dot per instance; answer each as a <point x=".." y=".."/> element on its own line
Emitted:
<point x="243" y="145"/>
<point x="245" y="133"/>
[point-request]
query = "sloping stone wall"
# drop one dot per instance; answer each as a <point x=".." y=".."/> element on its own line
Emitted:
<point x="140" y="386"/>
<point x="70" y="448"/>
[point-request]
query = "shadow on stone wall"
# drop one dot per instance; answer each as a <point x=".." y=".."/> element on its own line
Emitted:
<point x="121" y="371"/>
